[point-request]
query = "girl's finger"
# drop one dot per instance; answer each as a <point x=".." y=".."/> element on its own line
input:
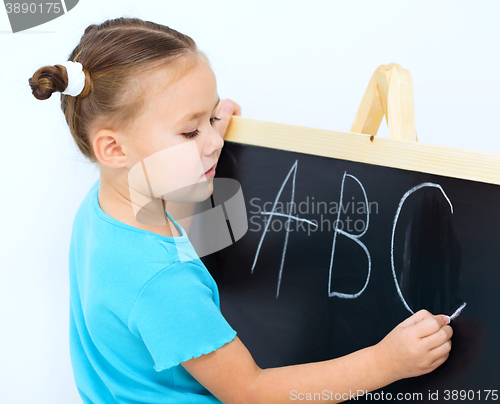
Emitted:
<point x="429" y="326"/>
<point x="439" y="338"/>
<point x="225" y="114"/>
<point x="416" y="318"/>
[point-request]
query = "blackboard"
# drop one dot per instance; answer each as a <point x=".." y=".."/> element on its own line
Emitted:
<point x="291" y="302"/>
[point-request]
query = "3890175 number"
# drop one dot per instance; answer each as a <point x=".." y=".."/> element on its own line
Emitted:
<point x="478" y="395"/>
<point x="33" y="8"/>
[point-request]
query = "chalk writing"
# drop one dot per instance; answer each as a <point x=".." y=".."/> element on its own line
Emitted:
<point x="398" y="211"/>
<point x="338" y="231"/>
<point x="289" y="217"/>
<point x="352" y="237"/>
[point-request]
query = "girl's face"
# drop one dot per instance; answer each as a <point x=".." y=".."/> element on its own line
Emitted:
<point x="175" y="142"/>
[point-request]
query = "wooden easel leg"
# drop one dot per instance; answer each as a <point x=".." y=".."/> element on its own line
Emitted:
<point x="400" y="107"/>
<point x="371" y="111"/>
<point x="389" y="93"/>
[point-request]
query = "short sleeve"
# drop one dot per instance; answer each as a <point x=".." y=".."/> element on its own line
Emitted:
<point x="177" y="317"/>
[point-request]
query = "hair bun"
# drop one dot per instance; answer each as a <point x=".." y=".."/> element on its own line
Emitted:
<point x="47" y="80"/>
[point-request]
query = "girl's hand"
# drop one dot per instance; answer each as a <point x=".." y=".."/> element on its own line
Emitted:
<point x="225" y="110"/>
<point x="417" y="346"/>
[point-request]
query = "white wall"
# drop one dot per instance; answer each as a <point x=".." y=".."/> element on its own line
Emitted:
<point x="299" y="62"/>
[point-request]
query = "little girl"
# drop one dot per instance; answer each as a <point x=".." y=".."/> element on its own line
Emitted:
<point x="145" y="325"/>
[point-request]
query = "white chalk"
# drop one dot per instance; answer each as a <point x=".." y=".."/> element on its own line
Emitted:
<point x="457" y="312"/>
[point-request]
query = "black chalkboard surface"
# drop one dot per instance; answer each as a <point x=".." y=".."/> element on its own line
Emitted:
<point x="309" y="283"/>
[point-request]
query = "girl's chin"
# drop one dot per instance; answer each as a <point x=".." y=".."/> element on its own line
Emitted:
<point x="199" y="193"/>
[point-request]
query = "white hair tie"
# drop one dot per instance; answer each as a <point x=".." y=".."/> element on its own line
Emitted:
<point x="76" y="78"/>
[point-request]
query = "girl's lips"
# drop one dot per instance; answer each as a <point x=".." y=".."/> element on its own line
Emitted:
<point x="210" y="173"/>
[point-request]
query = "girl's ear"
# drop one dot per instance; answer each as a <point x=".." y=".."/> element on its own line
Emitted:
<point x="108" y="150"/>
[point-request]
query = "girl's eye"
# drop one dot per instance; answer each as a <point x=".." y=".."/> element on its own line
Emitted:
<point x="191" y="135"/>
<point x="196" y="132"/>
<point x="213" y="120"/>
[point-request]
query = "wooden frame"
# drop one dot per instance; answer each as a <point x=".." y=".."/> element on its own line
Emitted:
<point x="389" y="93"/>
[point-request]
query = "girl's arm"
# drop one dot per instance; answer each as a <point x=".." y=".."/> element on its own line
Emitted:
<point x="417" y="346"/>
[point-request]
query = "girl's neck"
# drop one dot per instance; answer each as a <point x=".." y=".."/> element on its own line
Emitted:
<point x="116" y="203"/>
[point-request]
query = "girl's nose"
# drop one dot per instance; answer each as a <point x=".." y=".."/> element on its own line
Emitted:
<point x="214" y="141"/>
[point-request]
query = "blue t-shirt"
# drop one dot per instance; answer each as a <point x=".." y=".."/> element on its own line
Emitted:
<point x="140" y="303"/>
